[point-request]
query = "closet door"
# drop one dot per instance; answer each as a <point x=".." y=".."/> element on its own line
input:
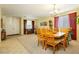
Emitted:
<point x="13" y="29"/>
<point x="8" y="25"/>
<point x="12" y="25"/>
<point x="16" y="26"/>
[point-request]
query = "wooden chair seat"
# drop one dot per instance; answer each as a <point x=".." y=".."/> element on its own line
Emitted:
<point x="64" y="41"/>
<point x="54" y="44"/>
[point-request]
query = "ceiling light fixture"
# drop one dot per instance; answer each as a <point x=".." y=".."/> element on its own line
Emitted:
<point x="53" y="13"/>
<point x="54" y="10"/>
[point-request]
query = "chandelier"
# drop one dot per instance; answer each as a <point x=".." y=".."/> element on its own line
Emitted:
<point x="52" y="13"/>
<point x="54" y="10"/>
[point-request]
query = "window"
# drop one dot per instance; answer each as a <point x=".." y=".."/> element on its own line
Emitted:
<point x="63" y="22"/>
<point x="29" y="25"/>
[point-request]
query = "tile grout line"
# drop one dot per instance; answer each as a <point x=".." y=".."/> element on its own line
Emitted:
<point x="23" y="45"/>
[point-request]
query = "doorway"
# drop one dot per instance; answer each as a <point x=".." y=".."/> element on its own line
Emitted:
<point x="28" y="27"/>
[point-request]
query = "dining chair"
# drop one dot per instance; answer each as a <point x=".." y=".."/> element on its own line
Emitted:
<point x="64" y="41"/>
<point x="41" y="37"/>
<point x="52" y="42"/>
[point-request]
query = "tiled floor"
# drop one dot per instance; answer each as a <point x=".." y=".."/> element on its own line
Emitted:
<point x="28" y="44"/>
<point x="12" y="45"/>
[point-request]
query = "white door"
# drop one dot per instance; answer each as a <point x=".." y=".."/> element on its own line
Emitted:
<point x="8" y="26"/>
<point x="12" y="25"/>
<point x="16" y="26"/>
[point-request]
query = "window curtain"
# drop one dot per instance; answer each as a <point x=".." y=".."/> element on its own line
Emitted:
<point x="63" y="22"/>
<point x="72" y="20"/>
<point x="66" y="22"/>
<point x="56" y="22"/>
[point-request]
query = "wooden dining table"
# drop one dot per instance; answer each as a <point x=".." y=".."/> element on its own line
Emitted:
<point x="49" y="37"/>
<point x="56" y="35"/>
<point x="59" y="34"/>
<point x="52" y="41"/>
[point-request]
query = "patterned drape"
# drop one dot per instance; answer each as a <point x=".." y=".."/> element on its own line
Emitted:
<point x="72" y="20"/>
<point x="56" y="22"/>
<point x="66" y="22"/>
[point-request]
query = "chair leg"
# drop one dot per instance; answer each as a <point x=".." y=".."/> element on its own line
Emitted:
<point x="57" y="47"/>
<point x="64" y="46"/>
<point x="38" y="43"/>
<point x="45" y="46"/>
<point x="54" y="49"/>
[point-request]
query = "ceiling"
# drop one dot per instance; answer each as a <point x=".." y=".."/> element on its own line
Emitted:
<point x="34" y="10"/>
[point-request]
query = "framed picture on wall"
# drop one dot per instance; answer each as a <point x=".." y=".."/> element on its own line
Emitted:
<point x="43" y="24"/>
<point x="77" y="20"/>
<point x="50" y="24"/>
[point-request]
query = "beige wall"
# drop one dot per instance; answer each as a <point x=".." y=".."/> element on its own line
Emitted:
<point x="43" y="19"/>
<point x="77" y="25"/>
<point x="22" y="26"/>
<point x="0" y="24"/>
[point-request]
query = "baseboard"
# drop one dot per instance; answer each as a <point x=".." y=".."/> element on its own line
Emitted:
<point x="13" y="34"/>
